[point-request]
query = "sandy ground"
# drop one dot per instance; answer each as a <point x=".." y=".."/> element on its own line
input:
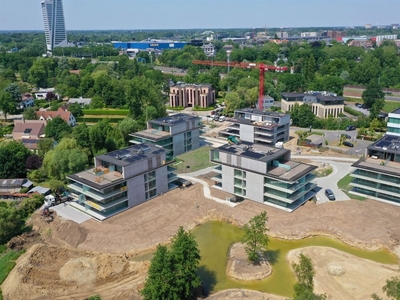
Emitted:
<point x="239" y="268"/>
<point x="78" y="261"/>
<point x="343" y="276"/>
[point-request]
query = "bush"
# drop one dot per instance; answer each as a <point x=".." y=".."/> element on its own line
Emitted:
<point x="95" y="120"/>
<point x="108" y="112"/>
<point x="352" y="111"/>
<point x="175" y="108"/>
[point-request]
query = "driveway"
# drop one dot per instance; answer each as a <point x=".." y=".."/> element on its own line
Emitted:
<point x="340" y="170"/>
<point x="67" y="212"/>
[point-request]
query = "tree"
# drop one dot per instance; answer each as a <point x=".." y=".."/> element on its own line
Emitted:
<point x="30" y="114"/>
<point x="126" y="127"/>
<point x="15" y="91"/>
<point x="373" y="93"/>
<point x="7" y="104"/>
<point x="76" y="110"/>
<point x="255" y="237"/>
<point x="391" y="288"/>
<point x="302" y="115"/>
<point x="13" y="156"/>
<point x="304" y="272"/>
<point x="33" y="162"/>
<point x="11" y="223"/>
<point x="44" y="146"/>
<point x="66" y="158"/>
<point x="172" y="273"/>
<point x="57" y="129"/>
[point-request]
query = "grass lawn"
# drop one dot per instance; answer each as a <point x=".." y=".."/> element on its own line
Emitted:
<point x="196" y="159"/>
<point x="7" y="262"/>
<point x="344" y="185"/>
<point x="391" y="106"/>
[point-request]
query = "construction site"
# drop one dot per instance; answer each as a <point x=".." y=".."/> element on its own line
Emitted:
<point x="67" y="260"/>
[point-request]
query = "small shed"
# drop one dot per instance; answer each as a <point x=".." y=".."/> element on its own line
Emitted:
<point x="315" y="140"/>
<point x="39" y="189"/>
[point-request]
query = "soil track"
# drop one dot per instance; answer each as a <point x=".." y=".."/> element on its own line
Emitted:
<point x="76" y="261"/>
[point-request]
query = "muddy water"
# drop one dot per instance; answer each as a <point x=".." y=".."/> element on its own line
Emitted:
<point x="215" y="237"/>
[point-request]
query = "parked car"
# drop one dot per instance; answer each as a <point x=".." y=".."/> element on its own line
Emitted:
<point x="346" y="136"/>
<point x="222" y="118"/>
<point x="382" y="115"/>
<point x="350" y="128"/>
<point x="216" y="117"/>
<point x="358" y="105"/>
<point x="348" y="144"/>
<point x="364" y="106"/>
<point x="329" y="194"/>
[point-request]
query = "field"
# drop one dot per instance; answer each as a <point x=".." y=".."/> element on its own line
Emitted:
<point x="196" y="160"/>
<point x="391" y="106"/>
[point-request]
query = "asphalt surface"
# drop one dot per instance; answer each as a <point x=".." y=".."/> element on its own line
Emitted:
<point x="67" y="212"/>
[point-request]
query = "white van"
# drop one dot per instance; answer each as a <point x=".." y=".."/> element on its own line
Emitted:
<point x="222" y="118"/>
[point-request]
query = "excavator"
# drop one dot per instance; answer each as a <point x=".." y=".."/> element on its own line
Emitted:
<point x="233" y="140"/>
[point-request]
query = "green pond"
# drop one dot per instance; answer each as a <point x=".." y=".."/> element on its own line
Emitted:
<point x="215" y="237"/>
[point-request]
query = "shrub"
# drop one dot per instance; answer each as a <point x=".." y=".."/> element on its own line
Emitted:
<point x="109" y="112"/>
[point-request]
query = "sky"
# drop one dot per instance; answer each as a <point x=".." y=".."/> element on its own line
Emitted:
<point x="187" y="14"/>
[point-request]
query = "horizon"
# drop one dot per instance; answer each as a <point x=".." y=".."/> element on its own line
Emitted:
<point x="92" y="15"/>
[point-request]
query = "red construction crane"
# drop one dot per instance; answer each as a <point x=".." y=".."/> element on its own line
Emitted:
<point x="246" y="65"/>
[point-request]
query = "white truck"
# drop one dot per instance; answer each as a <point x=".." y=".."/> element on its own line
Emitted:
<point x="49" y="200"/>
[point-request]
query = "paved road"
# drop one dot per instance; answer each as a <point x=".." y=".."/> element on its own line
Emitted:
<point x="353" y="106"/>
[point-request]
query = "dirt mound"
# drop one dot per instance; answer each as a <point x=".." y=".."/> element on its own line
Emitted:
<point x="23" y="241"/>
<point x="71" y="233"/>
<point x="239" y="268"/>
<point x="49" y="272"/>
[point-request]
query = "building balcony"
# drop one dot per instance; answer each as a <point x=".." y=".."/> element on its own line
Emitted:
<point x="94" y="194"/>
<point x="101" y="206"/>
<point x="217" y="178"/>
<point x="290" y="198"/>
<point x="172" y="177"/>
<point x="376" y="177"/>
<point x="262" y="139"/>
<point x="287" y="187"/>
<point x="170" y="170"/>
<point x="264" y="132"/>
<point x="218" y="169"/>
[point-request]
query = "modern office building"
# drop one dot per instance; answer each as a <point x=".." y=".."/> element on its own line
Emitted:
<point x="120" y="180"/>
<point x="259" y="127"/>
<point x="191" y="95"/>
<point x="263" y="174"/>
<point x="322" y="104"/>
<point x="54" y="24"/>
<point x="377" y="175"/>
<point x="177" y="134"/>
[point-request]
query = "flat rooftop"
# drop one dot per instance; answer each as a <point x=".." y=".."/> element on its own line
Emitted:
<point x="98" y="182"/>
<point x="320" y="96"/>
<point x="131" y="155"/>
<point x="151" y="134"/>
<point x="374" y="164"/>
<point x="396" y="111"/>
<point x="260" y="112"/>
<point x="287" y="171"/>
<point x="175" y="119"/>
<point x="388" y="143"/>
<point x="258" y="152"/>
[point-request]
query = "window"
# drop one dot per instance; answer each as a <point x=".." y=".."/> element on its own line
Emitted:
<point x="27" y="130"/>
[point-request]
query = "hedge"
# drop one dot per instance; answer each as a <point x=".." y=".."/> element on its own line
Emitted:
<point x="175" y="108"/>
<point x="203" y="108"/>
<point x="95" y="120"/>
<point x="352" y="111"/>
<point x="108" y="112"/>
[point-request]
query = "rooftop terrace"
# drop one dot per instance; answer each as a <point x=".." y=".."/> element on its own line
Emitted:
<point x="175" y="119"/>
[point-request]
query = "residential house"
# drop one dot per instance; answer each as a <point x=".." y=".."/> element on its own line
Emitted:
<point x="41" y="93"/>
<point x="27" y="101"/>
<point x="29" y="132"/>
<point x="263" y="174"/>
<point x="257" y="126"/>
<point x="323" y="104"/>
<point x="177" y="134"/>
<point x="120" y="180"/>
<point x="62" y="112"/>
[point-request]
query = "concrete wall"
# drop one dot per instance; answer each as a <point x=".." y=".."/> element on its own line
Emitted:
<point x="247" y="133"/>
<point x="227" y="179"/>
<point x="195" y="138"/>
<point x="136" y="193"/>
<point x="178" y="143"/>
<point x="255" y="187"/>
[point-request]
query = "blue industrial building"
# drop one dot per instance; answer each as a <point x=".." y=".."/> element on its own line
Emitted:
<point x="153" y="44"/>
